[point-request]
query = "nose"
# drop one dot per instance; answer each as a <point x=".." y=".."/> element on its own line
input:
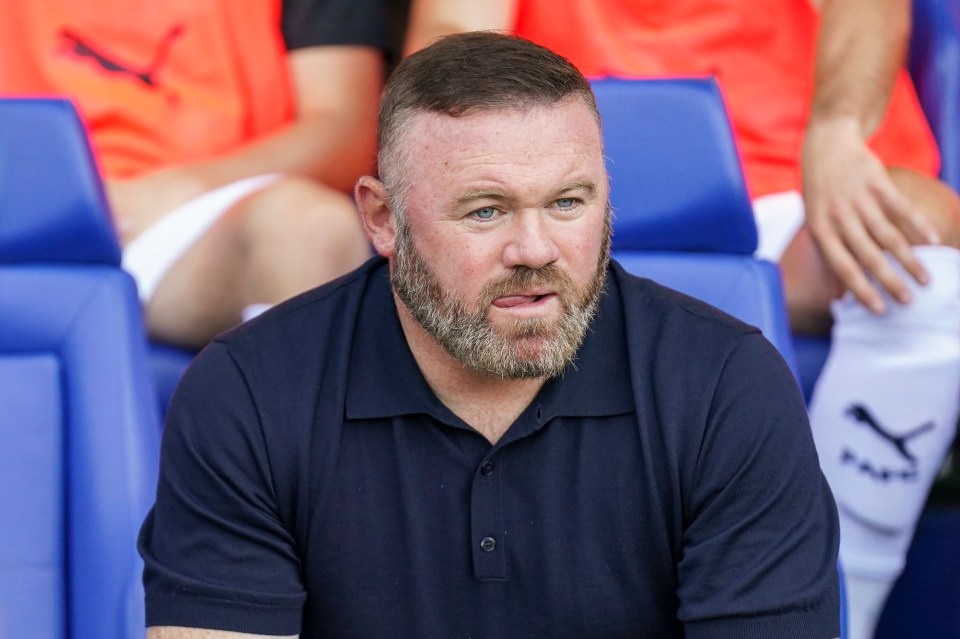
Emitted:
<point x="531" y="243"/>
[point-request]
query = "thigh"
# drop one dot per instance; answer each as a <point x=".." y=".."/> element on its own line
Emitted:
<point x="934" y="198"/>
<point x="151" y="254"/>
<point x="783" y="238"/>
<point x="274" y="243"/>
<point x="198" y="295"/>
<point x="809" y="286"/>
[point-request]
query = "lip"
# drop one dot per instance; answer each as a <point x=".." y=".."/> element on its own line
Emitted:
<point x="525" y="300"/>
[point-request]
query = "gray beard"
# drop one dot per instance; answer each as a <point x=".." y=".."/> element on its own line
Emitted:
<point x="531" y="348"/>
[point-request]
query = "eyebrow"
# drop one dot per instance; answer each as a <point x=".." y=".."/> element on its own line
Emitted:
<point x="489" y="194"/>
<point x="579" y="185"/>
<point x="473" y="196"/>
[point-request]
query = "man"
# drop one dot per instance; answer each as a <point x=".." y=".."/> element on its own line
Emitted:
<point x="491" y="430"/>
<point x="842" y="167"/>
<point x="229" y="136"/>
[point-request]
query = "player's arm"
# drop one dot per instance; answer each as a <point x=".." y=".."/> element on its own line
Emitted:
<point x="430" y="19"/>
<point x="854" y="211"/>
<point x="332" y="139"/>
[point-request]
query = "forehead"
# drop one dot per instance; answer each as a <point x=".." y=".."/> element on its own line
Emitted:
<point x="538" y="142"/>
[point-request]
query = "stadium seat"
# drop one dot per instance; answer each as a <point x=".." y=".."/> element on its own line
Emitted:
<point x="926" y="599"/>
<point x="682" y="214"/>
<point x="935" y="67"/>
<point x="79" y="441"/>
<point x="167" y="364"/>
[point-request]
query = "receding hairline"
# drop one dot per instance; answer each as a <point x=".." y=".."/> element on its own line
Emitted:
<point x="521" y="107"/>
<point x="468" y="73"/>
<point x="480" y="67"/>
<point x="396" y="153"/>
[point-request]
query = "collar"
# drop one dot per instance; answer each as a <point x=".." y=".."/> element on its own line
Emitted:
<point x="383" y="379"/>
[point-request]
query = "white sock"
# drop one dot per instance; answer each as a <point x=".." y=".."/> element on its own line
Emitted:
<point x="865" y="599"/>
<point x="884" y="414"/>
<point x="254" y="310"/>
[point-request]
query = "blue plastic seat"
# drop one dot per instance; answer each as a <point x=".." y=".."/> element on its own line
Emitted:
<point x="683" y="216"/>
<point x="925" y="602"/>
<point x="935" y="67"/>
<point x="79" y="431"/>
<point x="167" y="364"/>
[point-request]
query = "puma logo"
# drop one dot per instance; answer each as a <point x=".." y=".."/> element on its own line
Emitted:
<point x="869" y="467"/>
<point x="75" y="45"/>
<point x="899" y="442"/>
<point x="879" y="473"/>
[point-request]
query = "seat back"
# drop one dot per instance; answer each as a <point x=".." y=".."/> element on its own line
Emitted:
<point x="935" y="68"/>
<point x="79" y="432"/>
<point x="683" y="216"/>
<point x="675" y="175"/>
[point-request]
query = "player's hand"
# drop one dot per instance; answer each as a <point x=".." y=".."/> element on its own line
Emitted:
<point x="856" y="215"/>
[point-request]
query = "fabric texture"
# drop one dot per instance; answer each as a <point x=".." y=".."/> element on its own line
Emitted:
<point x="760" y="51"/>
<point x="314" y="484"/>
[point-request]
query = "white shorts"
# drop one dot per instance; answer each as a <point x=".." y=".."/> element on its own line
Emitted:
<point x="151" y="254"/>
<point x="779" y="216"/>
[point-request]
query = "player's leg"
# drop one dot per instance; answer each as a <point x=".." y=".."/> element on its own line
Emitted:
<point x="280" y="240"/>
<point x="885" y="408"/>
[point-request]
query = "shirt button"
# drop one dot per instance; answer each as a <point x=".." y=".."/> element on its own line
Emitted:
<point x="488" y="544"/>
<point x="486" y="468"/>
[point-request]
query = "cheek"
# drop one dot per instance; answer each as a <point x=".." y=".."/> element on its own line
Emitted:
<point x="583" y="249"/>
<point x="473" y="268"/>
<point x="462" y="263"/>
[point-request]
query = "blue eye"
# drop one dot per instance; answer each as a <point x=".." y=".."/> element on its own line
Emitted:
<point x="566" y="203"/>
<point x="486" y="213"/>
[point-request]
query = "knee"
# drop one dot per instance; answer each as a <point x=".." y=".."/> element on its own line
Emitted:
<point x="300" y="217"/>
<point x="808" y="285"/>
<point x="935" y="198"/>
<point x="951" y="230"/>
<point x="944" y="209"/>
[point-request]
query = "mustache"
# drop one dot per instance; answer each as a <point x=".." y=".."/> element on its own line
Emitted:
<point x="523" y="278"/>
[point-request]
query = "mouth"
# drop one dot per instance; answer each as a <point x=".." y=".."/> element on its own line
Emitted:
<point x="524" y="300"/>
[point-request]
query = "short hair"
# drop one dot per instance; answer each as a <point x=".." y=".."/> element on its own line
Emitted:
<point x="466" y="72"/>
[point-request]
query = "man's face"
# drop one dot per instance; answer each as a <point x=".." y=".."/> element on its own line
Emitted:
<point x="502" y="248"/>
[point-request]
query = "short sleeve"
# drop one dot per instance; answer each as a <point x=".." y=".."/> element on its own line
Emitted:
<point x="216" y="552"/>
<point x="309" y="23"/>
<point x="761" y="533"/>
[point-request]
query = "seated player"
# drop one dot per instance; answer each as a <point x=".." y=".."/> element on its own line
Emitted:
<point x="229" y="136"/>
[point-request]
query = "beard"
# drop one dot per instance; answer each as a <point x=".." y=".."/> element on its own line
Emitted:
<point x="525" y="349"/>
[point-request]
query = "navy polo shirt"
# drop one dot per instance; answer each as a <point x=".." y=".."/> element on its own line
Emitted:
<point x="312" y="483"/>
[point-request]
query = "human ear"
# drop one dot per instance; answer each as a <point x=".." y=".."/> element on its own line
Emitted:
<point x="376" y="214"/>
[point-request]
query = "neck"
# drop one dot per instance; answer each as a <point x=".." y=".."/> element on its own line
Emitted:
<point x="488" y="404"/>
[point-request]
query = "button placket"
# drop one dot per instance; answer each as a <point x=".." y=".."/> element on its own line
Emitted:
<point x="487" y="540"/>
